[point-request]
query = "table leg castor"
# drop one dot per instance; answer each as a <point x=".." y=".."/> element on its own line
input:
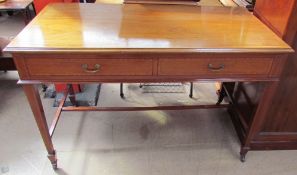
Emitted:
<point x="242" y="158"/>
<point x="55" y="165"/>
<point x="243" y="152"/>
<point x="53" y="158"/>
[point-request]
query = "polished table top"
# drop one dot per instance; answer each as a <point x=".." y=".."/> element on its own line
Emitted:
<point x="163" y="28"/>
<point x="14" y="4"/>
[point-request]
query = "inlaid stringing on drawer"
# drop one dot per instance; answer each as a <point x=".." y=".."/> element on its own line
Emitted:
<point x="85" y="67"/>
<point x="215" y="66"/>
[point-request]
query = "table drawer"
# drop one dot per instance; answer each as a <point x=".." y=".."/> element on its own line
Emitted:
<point x="215" y="66"/>
<point x="81" y="67"/>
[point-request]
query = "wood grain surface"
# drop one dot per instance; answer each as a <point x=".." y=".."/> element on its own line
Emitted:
<point x="154" y="28"/>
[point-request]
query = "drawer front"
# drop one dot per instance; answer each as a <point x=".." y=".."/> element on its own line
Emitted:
<point x="87" y="67"/>
<point x="220" y="66"/>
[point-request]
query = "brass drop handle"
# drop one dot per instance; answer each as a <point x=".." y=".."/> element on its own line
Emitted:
<point x="216" y="69"/>
<point x="86" y="68"/>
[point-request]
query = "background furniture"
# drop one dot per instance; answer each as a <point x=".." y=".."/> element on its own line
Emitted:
<point x="22" y="6"/>
<point x="40" y="4"/>
<point x="249" y="4"/>
<point x="279" y="129"/>
<point x="6" y="62"/>
<point x="122" y="95"/>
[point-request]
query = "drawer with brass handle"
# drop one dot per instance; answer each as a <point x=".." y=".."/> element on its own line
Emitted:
<point x="215" y="66"/>
<point x="88" y="67"/>
<point x="211" y="67"/>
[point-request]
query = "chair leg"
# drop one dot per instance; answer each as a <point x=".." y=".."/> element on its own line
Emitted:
<point x="221" y="95"/>
<point x="191" y="90"/>
<point x="121" y="91"/>
<point x="44" y="87"/>
<point x="10" y="13"/>
<point x="71" y="95"/>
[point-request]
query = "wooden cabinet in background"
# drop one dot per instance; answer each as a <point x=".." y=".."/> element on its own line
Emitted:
<point x="279" y="127"/>
<point x="281" y="123"/>
<point x="280" y="16"/>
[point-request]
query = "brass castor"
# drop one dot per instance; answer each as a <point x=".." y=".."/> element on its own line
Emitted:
<point x="55" y="165"/>
<point x="242" y="158"/>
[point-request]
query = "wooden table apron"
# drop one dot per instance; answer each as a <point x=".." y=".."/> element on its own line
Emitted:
<point x="146" y="67"/>
<point x="186" y="44"/>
